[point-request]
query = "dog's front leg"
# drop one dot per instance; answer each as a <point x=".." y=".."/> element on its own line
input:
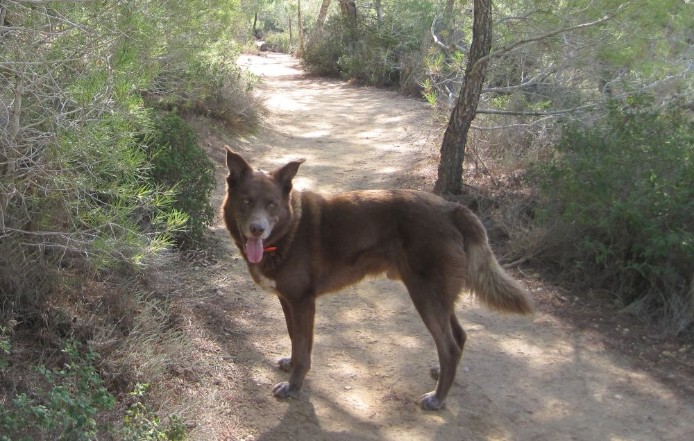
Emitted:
<point x="300" y="316"/>
<point x="285" y="363"/>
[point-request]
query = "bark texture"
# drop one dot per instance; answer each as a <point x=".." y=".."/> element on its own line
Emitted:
<point x="450" y="173"/>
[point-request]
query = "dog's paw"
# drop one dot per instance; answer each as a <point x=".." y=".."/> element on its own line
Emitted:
<point x="429" y="401"/>
<point x="284" y="391"/>
<point x="285" y="364"/>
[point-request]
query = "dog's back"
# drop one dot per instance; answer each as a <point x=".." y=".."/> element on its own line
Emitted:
<point x="400" y="232"/>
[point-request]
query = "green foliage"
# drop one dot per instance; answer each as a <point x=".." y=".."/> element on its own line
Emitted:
<point x="4" y="348"/>
<point x="68" y="403"/>
<point x="178" y="163"/>
<point x="67" y="409"/>
<point x="100" y="166"/>
<point x="381" y="53"/>
<point x="79" y="208"/>
<point x="74" y="183"/>
<point x="324" y="49"/>
<point x="210" y="83"/>
<point x="186" y="54"/>
<point x="621" y="191"/>
<point x="141" y="423"/>
<point x="667" y="23"/>
<point x="429" y="93"/>
<point x="278" y="42"/>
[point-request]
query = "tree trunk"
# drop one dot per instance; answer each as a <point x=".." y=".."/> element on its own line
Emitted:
<point x="450" y="174"/>
<point x="379" y="11"/>
<point x="3" y="13"/>
<point x="300" y="29"/>
<point x="322" y="13"/>
<point x="448" y="15"/>
<point x="349" y="10"/>
<point x="290" y="28"/>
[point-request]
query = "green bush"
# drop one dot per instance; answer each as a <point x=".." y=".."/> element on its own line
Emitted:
<point x="324" y="48"/>
<point x="620" y="192"/>
<point x="85" y="205"/>
<point x="206" y="81"/>
<point x="179" y="163"/>
<point x="70" y="402"/>
<point x="66" y="410"/>
<point x="278" y="42"/>
<point x="4" y="348"/>
<point x="377" y="53"/>
<point x="141" y="423"/>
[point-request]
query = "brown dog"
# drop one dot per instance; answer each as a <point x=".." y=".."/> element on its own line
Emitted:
<point x="301" y="245"/>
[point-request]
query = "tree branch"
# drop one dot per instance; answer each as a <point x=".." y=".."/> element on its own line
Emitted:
<point x="509" y="48"/>
<point x="509" y="126"/>
<point x="578" y="108"/>
<point x="530" y="82"/>
<point x="440" y="43"/>
<point x="523" y="113"/>
<point x="437" y="41"/>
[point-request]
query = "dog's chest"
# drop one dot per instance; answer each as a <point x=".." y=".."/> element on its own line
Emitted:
<point x="263" y="281"/>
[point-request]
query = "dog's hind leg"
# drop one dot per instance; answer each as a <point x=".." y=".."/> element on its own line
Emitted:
<point x="437" y="312"/>
<point x="458" y="332"/>
<point x="460" y="337"/>
<point x="301" y="319"/>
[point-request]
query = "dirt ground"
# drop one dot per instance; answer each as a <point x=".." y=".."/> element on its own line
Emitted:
<point x="547" y="377"/>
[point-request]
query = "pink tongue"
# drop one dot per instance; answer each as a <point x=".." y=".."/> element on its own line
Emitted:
<point x="254" y="250"/>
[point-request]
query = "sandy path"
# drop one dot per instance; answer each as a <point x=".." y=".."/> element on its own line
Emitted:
<point x="520" y="378"/>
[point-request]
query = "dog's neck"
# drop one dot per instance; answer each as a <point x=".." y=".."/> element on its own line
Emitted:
<point x="295" y="206"/>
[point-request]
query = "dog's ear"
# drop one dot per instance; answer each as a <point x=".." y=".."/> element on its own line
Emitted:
<point x="285" y="174"/>
<point x="238" y="167"/>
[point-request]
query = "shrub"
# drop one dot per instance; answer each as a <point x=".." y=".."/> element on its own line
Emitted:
<point x="84" y="204"/>
<point x="67" y="409"/>
<point x="620" y="191"/>
<point x="141" y="423"/>
<point x="208" y="83"/>
<point x="180" y="164"/>
<point x="380" y="53"/>
<point x="325" y="46"/>
<point x="4" y="348"/>
<point x="278" y="42"/>
<point x="70" y="402"/>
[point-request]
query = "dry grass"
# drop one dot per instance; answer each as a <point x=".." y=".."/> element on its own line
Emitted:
<point x="136" y="334"/>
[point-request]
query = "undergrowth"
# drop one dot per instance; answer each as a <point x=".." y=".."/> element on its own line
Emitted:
<point x="381" y="53"/>
<point x="178" y="163"/>
<point x="67" y="402"/>
<point x="618" y="200"/>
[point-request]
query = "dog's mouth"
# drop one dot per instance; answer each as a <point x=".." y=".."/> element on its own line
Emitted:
<point x="254" y="250"/>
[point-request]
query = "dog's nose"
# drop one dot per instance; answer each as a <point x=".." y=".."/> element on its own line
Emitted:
<point x="257" y="229"/>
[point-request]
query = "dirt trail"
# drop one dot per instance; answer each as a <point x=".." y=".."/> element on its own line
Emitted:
<point x="520" y="378"/>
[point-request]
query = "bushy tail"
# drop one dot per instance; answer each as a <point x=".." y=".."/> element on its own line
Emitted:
<point x="488" y="280"/>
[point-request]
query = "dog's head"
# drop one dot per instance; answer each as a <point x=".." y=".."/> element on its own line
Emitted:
<point x="258" y="202"/>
